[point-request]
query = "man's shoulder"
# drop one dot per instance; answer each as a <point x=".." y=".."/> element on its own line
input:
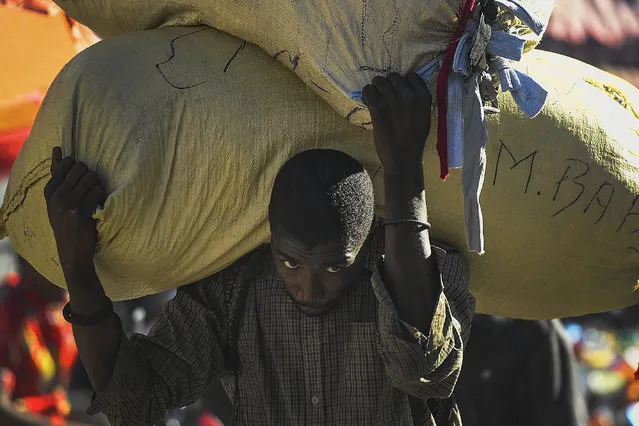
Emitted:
<point x="249" y="266"/>
<point x="253" y="262"/>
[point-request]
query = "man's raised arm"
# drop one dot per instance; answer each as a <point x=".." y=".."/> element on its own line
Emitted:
<point x="136" y="380"/>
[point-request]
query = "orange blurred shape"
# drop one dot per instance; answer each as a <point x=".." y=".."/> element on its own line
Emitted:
<point x="624" y="369"/>
<point x="599" y="420"/>
<point x="35" y="47"/>
<point x="37" y="41"/>
<point x="632" y="393"/>
<point x="42" y="6"/>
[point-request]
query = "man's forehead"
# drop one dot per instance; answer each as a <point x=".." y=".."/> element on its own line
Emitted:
<point x="333" y="252"/>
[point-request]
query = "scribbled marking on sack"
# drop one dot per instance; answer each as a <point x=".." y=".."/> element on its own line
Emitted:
<point x="239" y="49"/>
<point x="294" y="60"/>
<point x="582" y="187"/>
<point x="172" y="45"/>
<point x="353" y="112"/>
<point x="516" y="163"/>
<point x="390" y="32"/>
<point x="625" y="218"/>
<point x="370" y="68"/>
<point x="28" y="233"/>
<point x="362" y="27"/>
<point x="349" y="116"/>
<point x="596" y="197"/>
<point x="318" y="86"/>
<point x="629" y="214"/>
<point x="571" y="185"/>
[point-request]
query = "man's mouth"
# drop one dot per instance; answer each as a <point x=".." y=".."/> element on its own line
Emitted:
<point x="313" y="311"/>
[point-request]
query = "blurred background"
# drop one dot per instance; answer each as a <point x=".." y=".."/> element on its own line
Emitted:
<point x="580" y="370"/>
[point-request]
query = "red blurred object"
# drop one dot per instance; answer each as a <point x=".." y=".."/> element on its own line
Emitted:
<point x="207" y="419"/>
<point x="10" y="145"/>
<point x="50" y="405"/>
<point x="37" y="349"/>
<point x="7" y="379"/>
<point x="637" y="373"/>
<point x="13" y="279"/>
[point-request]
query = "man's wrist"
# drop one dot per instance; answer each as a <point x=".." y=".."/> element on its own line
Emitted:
<point x="86" y="295"/>
<point x="78" y="269"/>
<point x="395" y="174"/>
<point x="88" y="304"/>
<point x="408" y="182"/>
<point x="404" y="194"/>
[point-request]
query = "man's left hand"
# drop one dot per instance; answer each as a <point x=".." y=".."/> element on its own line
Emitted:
<point x="72" y="195"/>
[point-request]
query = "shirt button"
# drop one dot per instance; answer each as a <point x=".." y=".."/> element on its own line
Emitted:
<point x="315" y="400"/>
<point x="486" y="374"/>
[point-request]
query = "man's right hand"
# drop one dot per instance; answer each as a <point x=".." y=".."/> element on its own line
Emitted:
<point x="400" y="108"/>
<point x="73" y="194"/>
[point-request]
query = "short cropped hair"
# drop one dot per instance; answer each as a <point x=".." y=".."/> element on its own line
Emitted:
<point x="322" y="195"/>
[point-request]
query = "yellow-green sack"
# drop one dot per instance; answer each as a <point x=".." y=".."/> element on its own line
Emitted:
<point x="335" y="47"/>
<point x="187" y="127"/>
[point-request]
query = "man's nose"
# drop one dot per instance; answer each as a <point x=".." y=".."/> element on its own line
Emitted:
<point x="313" y="289"/>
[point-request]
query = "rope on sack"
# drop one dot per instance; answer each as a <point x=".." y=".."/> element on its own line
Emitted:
<point x="442" y="88"/>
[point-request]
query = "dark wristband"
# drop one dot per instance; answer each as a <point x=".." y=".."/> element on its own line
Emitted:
<point x="88" y="320"/>
<point x="421" y="224"/>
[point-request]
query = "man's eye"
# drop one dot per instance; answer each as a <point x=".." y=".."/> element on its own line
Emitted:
<point x="334" y="269"/>
<point x="291" y="265"/>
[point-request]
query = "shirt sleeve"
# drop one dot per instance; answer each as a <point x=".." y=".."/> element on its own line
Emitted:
<point x="426" y="363"/>
<point x="171" y="366"/>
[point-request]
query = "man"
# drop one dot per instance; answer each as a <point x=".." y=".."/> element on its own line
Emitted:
<point x="332" y="323"/>
<point x="519" y="372"/>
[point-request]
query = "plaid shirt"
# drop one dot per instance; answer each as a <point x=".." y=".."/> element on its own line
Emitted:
<point x="355" y="365"/>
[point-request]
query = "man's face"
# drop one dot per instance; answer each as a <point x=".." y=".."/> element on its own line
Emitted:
<point x="318" y="277"/>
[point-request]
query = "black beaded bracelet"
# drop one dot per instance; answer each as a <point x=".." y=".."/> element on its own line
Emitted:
<point x="88" y="320"/>
<point x="421" y="224"/>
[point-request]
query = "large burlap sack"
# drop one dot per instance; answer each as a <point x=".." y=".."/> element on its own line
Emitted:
<point x="335" y="47"/>
<point x="188" y="127"/>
